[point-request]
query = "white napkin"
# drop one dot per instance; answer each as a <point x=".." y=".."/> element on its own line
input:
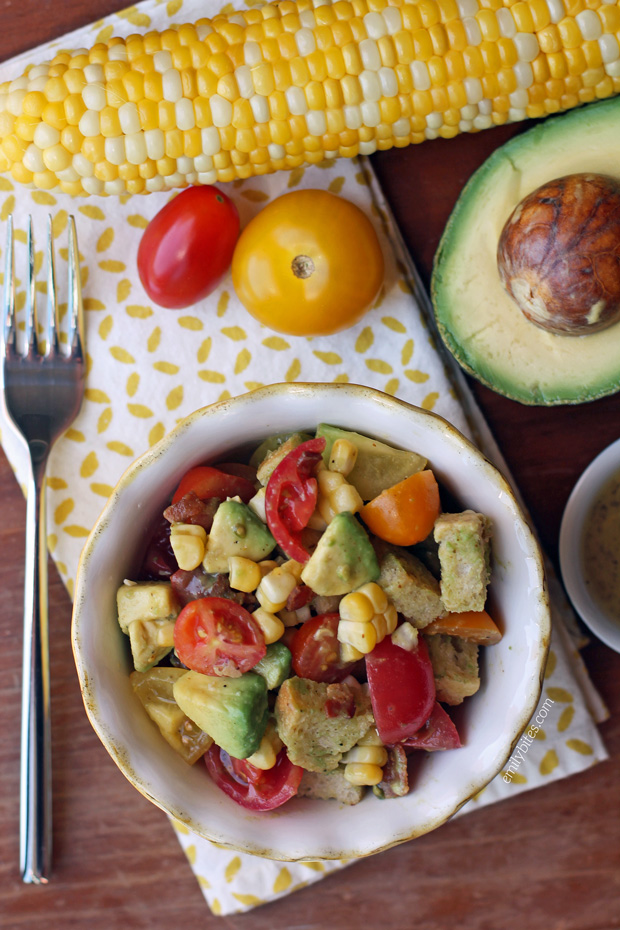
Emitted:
<point x="148" y="367"/>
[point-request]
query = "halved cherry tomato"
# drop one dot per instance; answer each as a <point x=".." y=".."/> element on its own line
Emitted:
<point x="316" y="651"/>
<point x="215" y="636"/>
<point x="402" y="689"/>
<point x="207" y="481"/>
<point x="405" y="513"/>
<point x="291" y="495"/>
<point x="188" y="246"/>
<point x="438" y="732"/>
<point x="308" y="264"/>
<point x="253" y="788"/>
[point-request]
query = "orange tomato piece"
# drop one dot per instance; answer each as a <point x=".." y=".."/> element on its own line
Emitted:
<point x="405" y="513"/>
<point x="474" y="625"/>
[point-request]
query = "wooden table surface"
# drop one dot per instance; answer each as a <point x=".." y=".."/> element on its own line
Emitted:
<point x="549" y="858"/>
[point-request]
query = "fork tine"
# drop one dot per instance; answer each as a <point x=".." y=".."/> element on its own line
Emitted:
<point x="76" y="306"/>
<point x="31" y="310"/>
<point x="52" y="303"/>
<point x="7" y="331"/>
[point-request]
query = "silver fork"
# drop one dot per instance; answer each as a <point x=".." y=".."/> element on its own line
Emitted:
<point x="42" y="392"/>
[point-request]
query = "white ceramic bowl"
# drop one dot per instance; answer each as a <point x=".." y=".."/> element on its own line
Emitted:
<point x="579" y="504"/>
<point x="490" y="723"/>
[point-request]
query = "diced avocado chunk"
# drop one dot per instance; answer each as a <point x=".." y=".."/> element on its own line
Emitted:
<point x="275" y="666"/>
<point x="237" y="531"/>
<point x="154" y="689"/>
<point x="464" y="556"/>
<point x="275" y="456"/>
<point x="378" y="465"/>
<point x="233" y="711"/>
<point x="270" y="444"/>
<point x="146" y="600"/>
<point x="150" y="641"/>
<point x="343" y="559"/>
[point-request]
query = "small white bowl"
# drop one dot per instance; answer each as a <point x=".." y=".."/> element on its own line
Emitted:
<point x="490" y="723"/>
<point x="579" y="504"/>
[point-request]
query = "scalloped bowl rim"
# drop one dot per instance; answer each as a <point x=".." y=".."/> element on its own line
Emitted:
<point x="310" y="829"/>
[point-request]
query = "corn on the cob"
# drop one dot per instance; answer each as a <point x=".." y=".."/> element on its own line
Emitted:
<point x="293" y="83"/>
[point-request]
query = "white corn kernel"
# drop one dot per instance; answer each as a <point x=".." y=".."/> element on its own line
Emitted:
<point x="346" y="499"/>
<point x="375" y="25"/>
<point x="162" y="61"/>
<point x="93" y="74"/>
<point x="361" y="635"/>
<point x="252" y="53"/>
<point x="271" y="626"/>
<point x="356" y="607"/>
<point x="389" y="82"/>
<point x="33" y="158"/>
<point x="245" y="84"/>
<point x="117" y="186"/>
<point x="128" y="118"/>
<point x="296" y="101"/>
<point x="260" y="108"/>
<point x="188" y="544"/>
<point x="92" y="185"/>
<point x="94" y="97"/>
<point x="420" y="75"/>
<point x="257" y="505"/>
<point x="210" y="139"/>
<point x="89" y="124"/>
<point x="370" y="55"/>
<point x="243" y="574"/>
<point x="275" y="588"/>
<point x="360" y="773"/>
<point x="405" y="636"/>
<point x="371" y="85"/>
<point x="589" y="23"/>
<point x="221" y="113"/>
<point x="527" y="45"/>
<point x="115" y="150"/>
<point x="136" y="147"/>
<point x="45" y="136"/>
<point x="184" y="114"/>
<point x="316" y="122"/>
<point x="371" y="114"/>
<point x="305" y="41"/>
<point x="373" y="755"/>
<point x="472" y="30"/>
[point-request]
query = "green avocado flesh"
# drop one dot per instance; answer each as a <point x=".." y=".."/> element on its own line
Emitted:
<point x="479" y="323"/>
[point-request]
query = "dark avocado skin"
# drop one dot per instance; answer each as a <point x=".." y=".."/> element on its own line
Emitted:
<point x="585" y="133"/>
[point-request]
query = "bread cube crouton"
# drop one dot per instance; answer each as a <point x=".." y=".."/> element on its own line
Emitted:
<point x="410" y="586"/>
<point x="319" y="722"/>
<point x="326" y="786"/>
<point x="455" y="667"/>
<point x="464" y="556"/>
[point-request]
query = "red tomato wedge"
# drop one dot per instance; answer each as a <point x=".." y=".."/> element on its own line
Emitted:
<point x="206" y="481"/>
<point x="402" y="689"/>
<point x="251" y="787"/>
<point x="291" y="495"/>
<point x="215" y="636"/>
<point x="438" y="732"/>
<point x="316" y="651"/>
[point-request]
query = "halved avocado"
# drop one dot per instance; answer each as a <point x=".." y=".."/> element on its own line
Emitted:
<point x="479" y="323"/>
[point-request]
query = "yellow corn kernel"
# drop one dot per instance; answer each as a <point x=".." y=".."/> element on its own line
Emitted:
<point x="110" y="123"/>
<point x="376" y="595"/>
<point x="362" y="636"/>
<point x="349" y="653"/>
<point x="33" y="104"/>
<point x="356" y="607"/>
<point x="352" y="59"/>
<point x="343" y="456"/>
<point x="267" y="753"/>
<point x="244" y="574"/>
<point x="370" y="755"/>
<point x="293" y="567"/>
<point x="271" y="626"/>
<point x="570" y="33"/>
<point x="360" y="773"/>
<point x="188" y="542"/>
<point x="346" y="498"/>
<point x="370" y="738"/>
<point x="328" y="481"/>
<point x="54" y="115"/>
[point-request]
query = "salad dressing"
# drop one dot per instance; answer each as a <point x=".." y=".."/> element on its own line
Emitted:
<point x="600" y="549"/>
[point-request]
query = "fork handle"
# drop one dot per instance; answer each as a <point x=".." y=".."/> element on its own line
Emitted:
<point x="35" y="782"/>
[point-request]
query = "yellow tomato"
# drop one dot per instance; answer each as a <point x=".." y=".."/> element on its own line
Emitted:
<point x="308" y="264"/>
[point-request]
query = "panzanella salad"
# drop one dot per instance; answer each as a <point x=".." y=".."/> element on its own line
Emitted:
<point x="301" y="621"/>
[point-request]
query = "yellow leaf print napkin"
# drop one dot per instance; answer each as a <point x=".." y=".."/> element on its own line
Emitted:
<point x="148" y="367"/>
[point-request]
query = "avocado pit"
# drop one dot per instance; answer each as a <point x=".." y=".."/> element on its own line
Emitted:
<point x="559" y="254"/>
